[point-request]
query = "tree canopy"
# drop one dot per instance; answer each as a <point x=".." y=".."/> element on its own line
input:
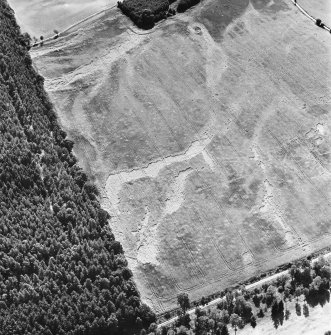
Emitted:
<point x="61" y="269"/>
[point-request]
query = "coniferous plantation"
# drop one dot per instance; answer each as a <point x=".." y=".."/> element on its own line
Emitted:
<point x="61" y="270"/>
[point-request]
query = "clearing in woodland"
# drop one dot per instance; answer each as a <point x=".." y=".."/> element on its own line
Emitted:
<point x="208" y="136"/>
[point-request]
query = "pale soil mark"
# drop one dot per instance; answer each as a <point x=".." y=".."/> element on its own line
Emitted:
<point x="208" y="159"/>
<point x="147" y="245"/>
<point x="115" y="181"/>
<point x="176" y="196"/>
<point x="269" y="205"/>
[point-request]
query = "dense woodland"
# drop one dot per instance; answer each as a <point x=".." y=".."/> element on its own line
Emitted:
<point x="144" y="13"/>
<point x="61" y="270"/>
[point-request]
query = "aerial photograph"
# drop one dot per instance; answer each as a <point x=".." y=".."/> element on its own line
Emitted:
<point x="165" y="167"/>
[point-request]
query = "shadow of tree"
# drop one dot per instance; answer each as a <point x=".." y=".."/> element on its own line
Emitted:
<point x="298" y="309"/>
<point x="277" y="314"/>
<point x="319" y="298"/>
<point x="305" y="309"/>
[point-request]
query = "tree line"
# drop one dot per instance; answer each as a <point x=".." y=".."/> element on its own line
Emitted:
<point x="145" y="13"/>
<point x="241" y="307"/>
<point x="61" y="269"/>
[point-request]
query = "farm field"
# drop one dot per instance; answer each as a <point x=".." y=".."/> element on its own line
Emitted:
<point x="208" y="136"/>
<point x="41" y="17"/>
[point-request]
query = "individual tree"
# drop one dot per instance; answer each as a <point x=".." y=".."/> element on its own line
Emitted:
<point x="326" y="272"/>
<point x="171" y="332"/>
<point x="183" y="301"/>
<point x="152" y="328"/>
<point x="224" y="330"/>
<point x="314" y="287"/>
<point x="256" y="300"/>
<point x="203" y="301"/>
<point x="293" y="272"/>
<point x="201" y="325"/>
<point x="235" y="321"/>
<point x="305" y="276"/>
<point x="260" y="314"/>
<point x="224" y="316"/>
<point x="253" y="321"/>
<point x="298" y="292"/>
<point x="211" y="325"/>
<point x="164" y="331"/>
<point x="184" y="319"/>
<point x="182" y="330"/>
<point x="305" y="292"/>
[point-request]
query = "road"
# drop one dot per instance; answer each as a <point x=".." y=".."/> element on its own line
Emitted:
<point x="247" y="287"/>
<point x="51" y="38"/>
<point x="309" y="16"/>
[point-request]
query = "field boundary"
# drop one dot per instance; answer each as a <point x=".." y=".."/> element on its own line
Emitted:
<point x="55" y="36"/>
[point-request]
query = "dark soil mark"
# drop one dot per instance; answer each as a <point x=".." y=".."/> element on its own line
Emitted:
<point x="265" y="235"/>
<point x="177" y="28"/>
<point x="216" y="15"/>
<point x="270" y="5"/>
<point x="319" y="110"/>
<point x="240" y="196"/>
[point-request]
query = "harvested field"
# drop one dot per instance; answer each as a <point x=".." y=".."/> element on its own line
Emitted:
<point x="41" y="17"/>
<point x="209" y="137"/>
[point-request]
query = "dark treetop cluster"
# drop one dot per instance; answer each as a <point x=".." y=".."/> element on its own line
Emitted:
<point x="61" y="270"/>
<point x="144" y="13"/>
